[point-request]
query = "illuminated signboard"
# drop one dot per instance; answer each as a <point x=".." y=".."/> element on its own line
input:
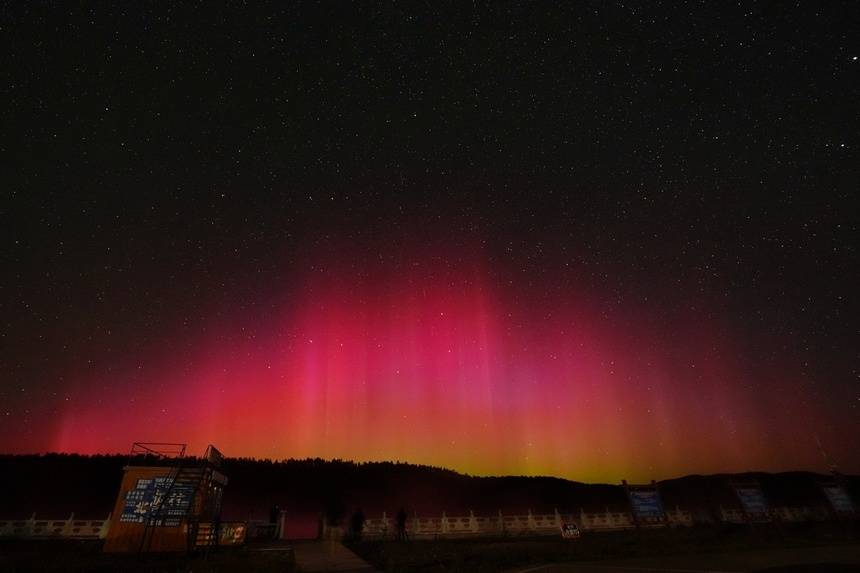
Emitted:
<point x="151" y="493"/>
<point x="838" y="498"/>
<point x="752" y="499"/>
<point x="646" y="503"/>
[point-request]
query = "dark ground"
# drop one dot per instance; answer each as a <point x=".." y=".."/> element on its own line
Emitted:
<point x="86" y="556"/>
<point x="833" y="547"/>
<point x="688" y="546"/>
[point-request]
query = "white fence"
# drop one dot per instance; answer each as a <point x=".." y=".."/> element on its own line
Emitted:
<point x="501" y="524"/>
<point x="70" y="528"/>
<point x="791" y="514"/>
<point x="680" y="517"/>
<point x="802" y="513"/>
<point x="431" y="527"/>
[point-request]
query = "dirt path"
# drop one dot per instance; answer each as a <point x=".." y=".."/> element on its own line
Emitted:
<point x="328" y="556"/>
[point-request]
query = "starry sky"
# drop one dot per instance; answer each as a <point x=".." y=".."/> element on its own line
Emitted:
<point x="597" y="241"/>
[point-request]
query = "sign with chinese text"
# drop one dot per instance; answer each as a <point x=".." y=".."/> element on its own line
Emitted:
<point x="154" y="498"/>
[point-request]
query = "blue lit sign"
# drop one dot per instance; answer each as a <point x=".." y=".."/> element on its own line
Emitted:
<point x="752" y="499"/>
<point x="646" y="503"/>
<point x="151" y="493"/>
<point x="838" y="498"/>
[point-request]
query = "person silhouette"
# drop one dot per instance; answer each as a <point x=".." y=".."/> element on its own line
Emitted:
<point x="357" y="524"/>
<point x="402" y="535"/>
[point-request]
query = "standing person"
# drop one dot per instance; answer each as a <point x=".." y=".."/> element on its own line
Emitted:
<point x="274" y="515"/>
<point x="357" y="525"/>
<point x="401" y="525"/>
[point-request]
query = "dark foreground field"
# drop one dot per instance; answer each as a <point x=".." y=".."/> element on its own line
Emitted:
<point x="87" y="556"/>
<point x="831" y="548"/>
<point x="701" y="548"/>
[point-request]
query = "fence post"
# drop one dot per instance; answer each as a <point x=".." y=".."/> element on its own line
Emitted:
<point x="281" y="533"/>
<point x="67" y="528"/>
<point x="473" y="522"/>
<point x="103" y="530"/>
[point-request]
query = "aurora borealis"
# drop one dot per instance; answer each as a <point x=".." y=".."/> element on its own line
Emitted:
<point x="495" y="240"/>
<point x="438" y="366"/>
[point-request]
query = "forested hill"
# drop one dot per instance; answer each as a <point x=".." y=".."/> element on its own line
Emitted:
<point x="57" y="484"/>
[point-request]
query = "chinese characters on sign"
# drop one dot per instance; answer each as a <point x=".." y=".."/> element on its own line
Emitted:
<point x="154" y="498"/>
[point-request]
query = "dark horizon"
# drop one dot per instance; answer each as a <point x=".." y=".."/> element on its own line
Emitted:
<point x="307" y="487"/>
<point x="828" y="473"/>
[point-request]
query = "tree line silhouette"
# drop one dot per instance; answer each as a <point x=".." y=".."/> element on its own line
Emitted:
<point x="58" y="484"/>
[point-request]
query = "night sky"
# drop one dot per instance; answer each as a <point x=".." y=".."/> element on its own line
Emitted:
<point x="596" y="240"/>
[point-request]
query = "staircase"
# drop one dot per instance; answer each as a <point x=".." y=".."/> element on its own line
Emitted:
<point x="206" y="535"/>
<point x="177" y="504"/>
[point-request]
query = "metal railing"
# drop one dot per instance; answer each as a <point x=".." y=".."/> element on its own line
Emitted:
<point x="70" y="528"/>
